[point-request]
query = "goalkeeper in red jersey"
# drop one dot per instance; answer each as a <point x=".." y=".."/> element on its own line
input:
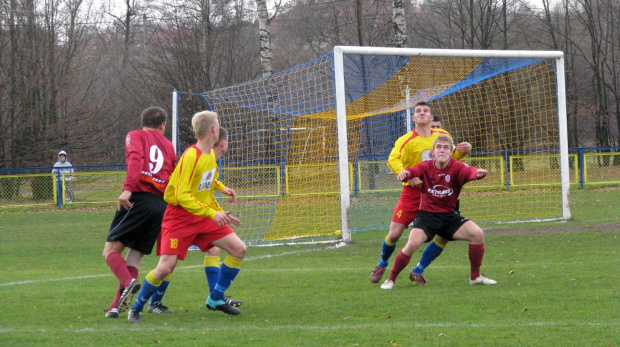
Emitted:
<point x="190" y="220"/>
<point x="442" y="180"/>
<point x="410" y="149"/>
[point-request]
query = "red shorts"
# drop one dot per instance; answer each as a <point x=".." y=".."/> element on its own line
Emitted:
<point x="408" y="205"/>
<point x="181" y="229"/>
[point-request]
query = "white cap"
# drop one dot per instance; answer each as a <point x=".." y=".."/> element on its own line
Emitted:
<point x="62" y="153"/>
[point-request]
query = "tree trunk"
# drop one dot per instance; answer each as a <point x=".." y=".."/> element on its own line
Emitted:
<point x="264" y="38"/>
<point x="399" y="37"/>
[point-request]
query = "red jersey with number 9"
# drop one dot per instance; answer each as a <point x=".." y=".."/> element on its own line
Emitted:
<point x="150" y="159"/>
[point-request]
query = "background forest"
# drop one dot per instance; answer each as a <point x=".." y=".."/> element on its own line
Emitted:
<point x="75" y="74"/>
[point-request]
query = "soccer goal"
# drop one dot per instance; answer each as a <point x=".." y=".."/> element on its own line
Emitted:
<point x="308" y="146"/>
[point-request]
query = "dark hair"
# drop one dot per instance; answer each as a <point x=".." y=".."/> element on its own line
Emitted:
<point x="421" y="103"/>
<point x="153" y="117"/>
<point x="223" y="136"/>
<point x="436" y="119"/>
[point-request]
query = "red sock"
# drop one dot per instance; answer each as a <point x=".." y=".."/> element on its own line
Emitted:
<point x="400" y="262"/>
<point x="117" y="297"/>
<point x="476" y="252"/>
<point x="134" y="274"/>
<point x="133" y="271"/>
<point x="119" y="267"/>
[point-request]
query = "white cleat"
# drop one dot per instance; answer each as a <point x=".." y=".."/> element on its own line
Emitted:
<point x="389" y="284"/>
<point x="481" y="280"/>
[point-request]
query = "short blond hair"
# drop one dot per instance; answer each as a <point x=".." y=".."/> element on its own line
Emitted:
<point x="202" y="121"/>
<point x="445" y="138"/>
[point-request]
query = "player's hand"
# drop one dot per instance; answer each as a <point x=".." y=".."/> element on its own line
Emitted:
<point x="233" y="220"/>
<point x="463" y="147"/>
<point x="230" y="192"/>
<point x="123" y="200"/>
<point x="402" y="176"/>
<point x="416" y="181"/>
<point x="221" y="218"/>
<point x="481" y="173"/>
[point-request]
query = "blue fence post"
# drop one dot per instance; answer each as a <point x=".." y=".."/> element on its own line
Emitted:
<point x="356" y="188"/>
<point x="58" y="189"/>
<point x="580" y="163"/>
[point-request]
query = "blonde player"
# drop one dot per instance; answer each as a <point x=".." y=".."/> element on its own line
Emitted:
<point x="190" y="219"/>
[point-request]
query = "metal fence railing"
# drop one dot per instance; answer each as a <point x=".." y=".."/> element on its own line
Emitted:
<point x="38" y="187"/>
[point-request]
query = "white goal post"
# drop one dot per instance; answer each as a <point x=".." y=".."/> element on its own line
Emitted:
<point x="341" y="109"/>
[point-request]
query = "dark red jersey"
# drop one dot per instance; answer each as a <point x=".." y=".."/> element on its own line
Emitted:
<point x="150" y="159"/>
<point x="441" y="188"/>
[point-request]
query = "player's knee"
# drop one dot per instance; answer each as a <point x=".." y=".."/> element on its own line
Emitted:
<point x="239" y="251"/>
<point x="163" y="270"/>
<point x="395" y="233"/>
<point x="477" y="235"/>
<point x="106" y="253"/>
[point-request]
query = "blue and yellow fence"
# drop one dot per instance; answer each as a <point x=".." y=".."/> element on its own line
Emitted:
<point x="38" y="187"/>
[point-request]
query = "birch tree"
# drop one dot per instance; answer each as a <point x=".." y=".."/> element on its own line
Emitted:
<point x="264" y="35"/>
<point x="399" y="23"/>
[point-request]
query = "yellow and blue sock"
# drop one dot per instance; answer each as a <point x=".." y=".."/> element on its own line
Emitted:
<point x="387" y="249"/>
<point x="230" y="270"/>
<point x="149" y="286"/>
<point x="431" y="252"/>
<point x="212" y="270"/>
<point x="158" y="295"/>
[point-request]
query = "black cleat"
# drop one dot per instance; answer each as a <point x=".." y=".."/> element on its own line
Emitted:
<point x="159" y="308"/>
<point x="233" y="303"/>
<point x="134" y="316"/>
<point x="127" y="295"/>
<point x="222" y="305"/>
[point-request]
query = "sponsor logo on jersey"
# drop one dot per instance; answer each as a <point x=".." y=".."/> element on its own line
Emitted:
<point x="206" y="181"/>
<point x="440" y="191"/>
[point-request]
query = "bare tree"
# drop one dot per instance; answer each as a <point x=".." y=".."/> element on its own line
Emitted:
<point x="400" y="24"/>
<point x="264" y="35"/>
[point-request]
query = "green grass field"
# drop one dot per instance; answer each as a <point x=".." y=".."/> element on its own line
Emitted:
<point x="558" y="286"/>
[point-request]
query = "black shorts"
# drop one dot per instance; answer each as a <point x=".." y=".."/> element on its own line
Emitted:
<point x="442" y="224"/>
<point x="139" y="227"/>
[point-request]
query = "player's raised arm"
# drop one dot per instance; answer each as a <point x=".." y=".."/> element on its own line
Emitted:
<point x="461" y="150"/>
<point x="395" y="162"/>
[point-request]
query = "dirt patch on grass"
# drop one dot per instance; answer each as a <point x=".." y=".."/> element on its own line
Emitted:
<point x="552" y="229"/>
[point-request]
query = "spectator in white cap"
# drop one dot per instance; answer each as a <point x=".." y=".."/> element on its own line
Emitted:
<point x="65" y="167"/>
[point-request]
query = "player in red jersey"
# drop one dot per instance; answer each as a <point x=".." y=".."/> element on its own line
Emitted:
<point x="410" y="149"/>
<point x="150" y="159"/>
<point x="442" y="180"/>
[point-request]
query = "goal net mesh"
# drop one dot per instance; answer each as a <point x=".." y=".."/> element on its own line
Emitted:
<point x="283" y="140"/>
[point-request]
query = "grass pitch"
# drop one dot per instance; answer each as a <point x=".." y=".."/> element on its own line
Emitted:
<point x="557" y="285"/>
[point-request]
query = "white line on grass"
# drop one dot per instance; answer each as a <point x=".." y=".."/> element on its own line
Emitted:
<point x="267" y="256"/>
<point x="337" y="327"/>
